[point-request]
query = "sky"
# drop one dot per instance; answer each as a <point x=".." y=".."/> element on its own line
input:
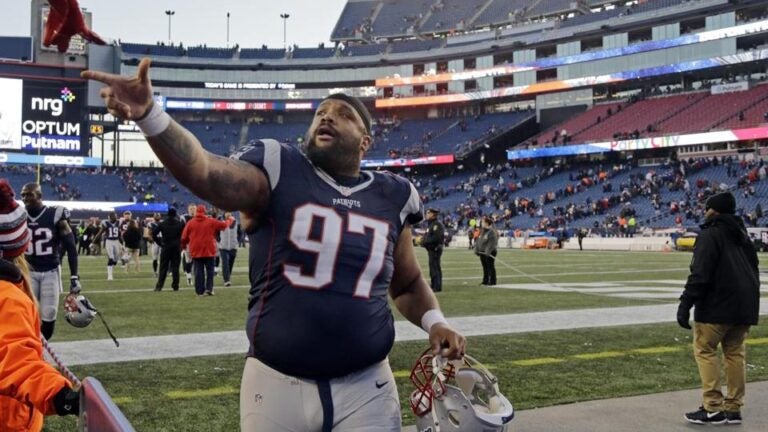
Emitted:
<point x="251" y="23"/>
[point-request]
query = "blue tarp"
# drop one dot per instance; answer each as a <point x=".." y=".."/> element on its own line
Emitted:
<point x="143" y="207"/>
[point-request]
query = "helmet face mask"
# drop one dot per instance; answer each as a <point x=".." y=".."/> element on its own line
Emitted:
<point x="79" y="311"/>
<point x="459" y="395"/>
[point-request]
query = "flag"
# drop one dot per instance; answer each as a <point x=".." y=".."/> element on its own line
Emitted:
<point x="65" y="21"/>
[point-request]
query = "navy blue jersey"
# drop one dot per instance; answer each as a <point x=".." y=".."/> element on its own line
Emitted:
<point x="111" y="229"/>
<point x="43" y="251"/>
<point x="124" y="225"/>
<point x="321" y="262"/>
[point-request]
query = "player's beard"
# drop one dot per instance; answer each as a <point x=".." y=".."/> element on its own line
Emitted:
<point x="340" y="158"/>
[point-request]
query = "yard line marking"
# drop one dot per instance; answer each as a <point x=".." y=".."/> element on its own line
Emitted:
<point x="599" y="355"/>
<point x="517" y="276"/>
<point x="187" y="394"/>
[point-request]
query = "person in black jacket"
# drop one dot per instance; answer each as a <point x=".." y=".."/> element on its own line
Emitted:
<point x="132" y="242"/>
<point x="167" y="234"/>
<point x="432" y="241"/>
<point x="724" y="286"/>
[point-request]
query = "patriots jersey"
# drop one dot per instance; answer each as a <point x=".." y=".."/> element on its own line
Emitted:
<point x="43" y="251"/>
<point x="321" y="261"/>
<point x="111" y="229"/>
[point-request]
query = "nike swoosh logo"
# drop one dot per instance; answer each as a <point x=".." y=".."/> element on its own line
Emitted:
<point x="380" y="385"/>
<point x="709" y="414"/>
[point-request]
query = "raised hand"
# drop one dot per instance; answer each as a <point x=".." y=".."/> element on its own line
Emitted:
<point x="126" y="97"/>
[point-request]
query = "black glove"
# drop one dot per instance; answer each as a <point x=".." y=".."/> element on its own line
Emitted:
<point x="67" y="402"/>
<point x="74" y="285"/>
<point x="684" y="315"/>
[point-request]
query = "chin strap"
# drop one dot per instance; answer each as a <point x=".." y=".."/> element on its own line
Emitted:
<point x="438" y="364"/>
<point x="114" y="339"/>
<point x="76" y="384"/>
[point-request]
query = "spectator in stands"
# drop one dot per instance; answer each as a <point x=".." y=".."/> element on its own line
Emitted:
<point x="486" y="248"/>
<point x="31" y="388"/>
<point x="200" y="235"/>
<point x="724" y="285"/>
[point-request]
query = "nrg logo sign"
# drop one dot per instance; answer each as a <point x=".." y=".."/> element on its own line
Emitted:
<point x="54" y="106"/>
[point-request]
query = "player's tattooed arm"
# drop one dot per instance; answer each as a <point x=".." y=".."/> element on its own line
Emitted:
<point x="226" y="183"/>
<point x="408" y="289"/>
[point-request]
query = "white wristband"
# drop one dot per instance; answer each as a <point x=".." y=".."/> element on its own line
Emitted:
<point x="430" y="318"/>
<point x="155" y="122"/>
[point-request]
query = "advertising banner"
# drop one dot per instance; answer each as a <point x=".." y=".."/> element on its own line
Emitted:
<point x="42" y="117"/>
<point x="10" y="113"/>
<point x="642" y="143"/>
<point x="53" y="119"/>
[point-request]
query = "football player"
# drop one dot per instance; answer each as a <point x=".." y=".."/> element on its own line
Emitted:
<point x="328" y="243"/>
<point x="110" y="232"/>
<point x="51" y="232"/>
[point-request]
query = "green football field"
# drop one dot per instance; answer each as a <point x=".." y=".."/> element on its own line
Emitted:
<point x="535" y="369"/>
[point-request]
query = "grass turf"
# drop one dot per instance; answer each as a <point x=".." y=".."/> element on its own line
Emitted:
<point x="534" y="369"/>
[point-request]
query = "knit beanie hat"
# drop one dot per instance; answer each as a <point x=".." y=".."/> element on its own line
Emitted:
<point x="723" y="203"/>
<point x="358" y="105"/>
<point x="14" y="235"/>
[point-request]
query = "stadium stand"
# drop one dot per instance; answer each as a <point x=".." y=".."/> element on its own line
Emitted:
<point x="364" y="50"/>
<point x="262" y="53"/>
<point x="155" y="50"/>
<point x="213" y="53"/>
<point x="352" y="18"/>
<point x="16" y="48"/>
<point x="415" y="45"/>
<point x="501" y="11"/>
<point x="399" y="17"/>
<point x="659" y="115"/>
<point x="592" y="17"/>
<point x="451" y="14"/>
<point x="303" y="53"/>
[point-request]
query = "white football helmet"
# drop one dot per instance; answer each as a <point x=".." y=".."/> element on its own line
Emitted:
<point x="457" y="396"/>
<point x="80" y="311"/>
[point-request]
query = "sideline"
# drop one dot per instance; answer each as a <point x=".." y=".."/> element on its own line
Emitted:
<point x="235" y="342"/>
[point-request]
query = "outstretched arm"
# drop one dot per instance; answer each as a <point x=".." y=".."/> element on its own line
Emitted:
<point x="226" y="183"/>
<point x="223" y="182"/>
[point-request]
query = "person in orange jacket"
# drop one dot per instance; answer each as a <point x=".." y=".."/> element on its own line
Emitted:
<point x="30" y="388"/>
<point x="200" y="234"/>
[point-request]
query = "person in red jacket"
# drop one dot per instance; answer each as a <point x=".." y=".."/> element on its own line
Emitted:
<point x="30" y="388"/>
<point x="200" y="234"/>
